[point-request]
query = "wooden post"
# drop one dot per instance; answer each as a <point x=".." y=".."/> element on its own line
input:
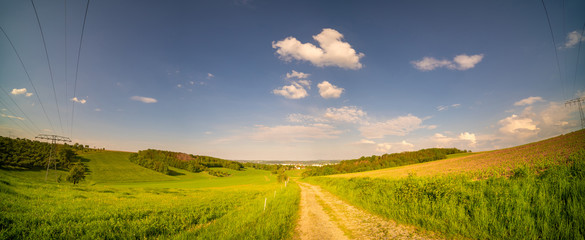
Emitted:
<point x="265" y="204"/>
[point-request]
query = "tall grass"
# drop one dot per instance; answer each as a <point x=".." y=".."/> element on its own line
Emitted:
<point x="527" y="205"/>
<point x="252" y="221"/>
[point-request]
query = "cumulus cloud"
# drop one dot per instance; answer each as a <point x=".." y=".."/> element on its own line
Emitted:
<point x="210" y="76"/>
<point x="350" y="114"/>
<point x="293" y="91"/>
<point x="407" y="144"/>
<point x="468" y="137"/>
<point x="82" y="101"/>
<point x="144" y="99"/>
<point x="21" y="91"/>
<point x="297" y="75"/>
<point x="528" y="101"/>
<point x="465" y="139"/>
<point x="399" y="126"/>
<point x="332" y="51"/>
<point x="573" y="38"/>
<point x="518" y="125"/>
<point x="328" y="90"/>
<point x="295" y="133"/>
<point x="383" y="147"/>
<point x="460" y="62"/>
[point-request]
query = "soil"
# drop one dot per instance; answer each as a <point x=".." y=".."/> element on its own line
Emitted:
<point x="325" y="216"/>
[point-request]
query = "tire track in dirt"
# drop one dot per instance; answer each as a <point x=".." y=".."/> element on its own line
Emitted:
<point x="325" y="216"/>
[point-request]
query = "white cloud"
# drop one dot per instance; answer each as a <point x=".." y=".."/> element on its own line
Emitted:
<point x="21" y="91"/>
<point x="399" y="126"/>
<point x="10" y="116"/>
<point x="144" y="99"/>
<point x="332" y="51"/>
<point x="297" y="75"/>
<point x="350" y="114"/>
<point x="528" y="101"/>
<point x="328" y="90"/>
<point x="179" y="85"/>
<point x="82" y="101"/>
<point x="98" y="109"/>
<point x="366" y="141"/>
<point x="293" y="91"/>
<point x="407" y="144"/>
<point x="305" y="83"/>
<point x="518" y="125"/>
<point x="443" y="108"/>
<point x="429" y="63"/>
<point x="573" y="38"/>
<point x="468" y="137"/>
<point x="465" y="62"/>
<point x="302" y="118"/>
<point x="295" y="133"/>
<point x="460" y="62"/>
<point x="210" y="76"/>
<point x="383" y="147"/>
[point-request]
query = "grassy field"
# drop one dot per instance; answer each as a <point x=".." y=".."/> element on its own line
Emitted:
<point x="122" y="200"/>
<point x="534" y="191"/>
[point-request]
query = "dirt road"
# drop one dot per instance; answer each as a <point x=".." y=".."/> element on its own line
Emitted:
<point x="325" y="216"/>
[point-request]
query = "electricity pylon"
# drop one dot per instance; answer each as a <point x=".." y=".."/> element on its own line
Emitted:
<point x="54" y="139"/>
<point x="578" y="102"/>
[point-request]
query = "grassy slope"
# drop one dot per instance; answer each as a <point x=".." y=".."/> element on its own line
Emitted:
<point x="122" y="200"/>
<point x="541" y="154"/>
<point x="534" y="191"/>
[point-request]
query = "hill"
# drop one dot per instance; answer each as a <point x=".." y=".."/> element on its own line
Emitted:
<point x="541" y="155"/>
<point x="122" y="200"/>
<point x="533" y="191"/>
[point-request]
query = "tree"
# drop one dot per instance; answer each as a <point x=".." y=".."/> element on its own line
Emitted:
<point x="66" y="156"/>
<point x="76" y="174"/>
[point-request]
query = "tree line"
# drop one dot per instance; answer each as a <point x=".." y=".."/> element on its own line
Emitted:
<point x="160" y="161"/>
<point x="385" y="161"/>
<point x="24" y="153"/>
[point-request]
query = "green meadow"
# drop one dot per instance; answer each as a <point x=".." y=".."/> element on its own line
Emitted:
<point x="121" y="200"/>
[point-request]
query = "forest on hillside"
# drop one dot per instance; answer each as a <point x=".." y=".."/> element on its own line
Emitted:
<point x="30" y="154"/>
<point x="385" y="161"/>
<point x="160" y="161"/>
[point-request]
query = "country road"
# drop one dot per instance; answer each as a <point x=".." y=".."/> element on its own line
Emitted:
<point x="325" y="216"/>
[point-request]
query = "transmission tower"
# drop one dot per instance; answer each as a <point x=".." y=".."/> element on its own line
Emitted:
<point x="54" y="139"/>
<point x="578" y="102"/>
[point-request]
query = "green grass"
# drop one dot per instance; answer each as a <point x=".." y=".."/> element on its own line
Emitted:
<point x="122" y="200"/>
<point x="530" y="204"/>
<point x="457" y="155"/>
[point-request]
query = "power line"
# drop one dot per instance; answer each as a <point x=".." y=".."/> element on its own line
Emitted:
<point x="28" y="77"/>
<point x="77" y="66"/>
<point x="66" y="84"/>
<point x="27" y="117"/>
<point x="554" y="44"/>
<point x="14" y="116"/>
<point x="54" y="139"/>
<point x="49" y="63"/>
<point x="578" y="52"/>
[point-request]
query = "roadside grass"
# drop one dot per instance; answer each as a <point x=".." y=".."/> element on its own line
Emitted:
<point x="121" y="200"/>
<point x="531" y="203"/>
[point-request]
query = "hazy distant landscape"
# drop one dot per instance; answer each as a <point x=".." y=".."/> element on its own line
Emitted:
<point x="292" y="119"/>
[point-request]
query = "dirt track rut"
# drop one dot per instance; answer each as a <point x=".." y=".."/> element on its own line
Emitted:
<point x="325" y="216"/>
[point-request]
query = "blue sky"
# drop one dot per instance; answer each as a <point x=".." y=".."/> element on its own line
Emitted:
<point x="293" y="80"/>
